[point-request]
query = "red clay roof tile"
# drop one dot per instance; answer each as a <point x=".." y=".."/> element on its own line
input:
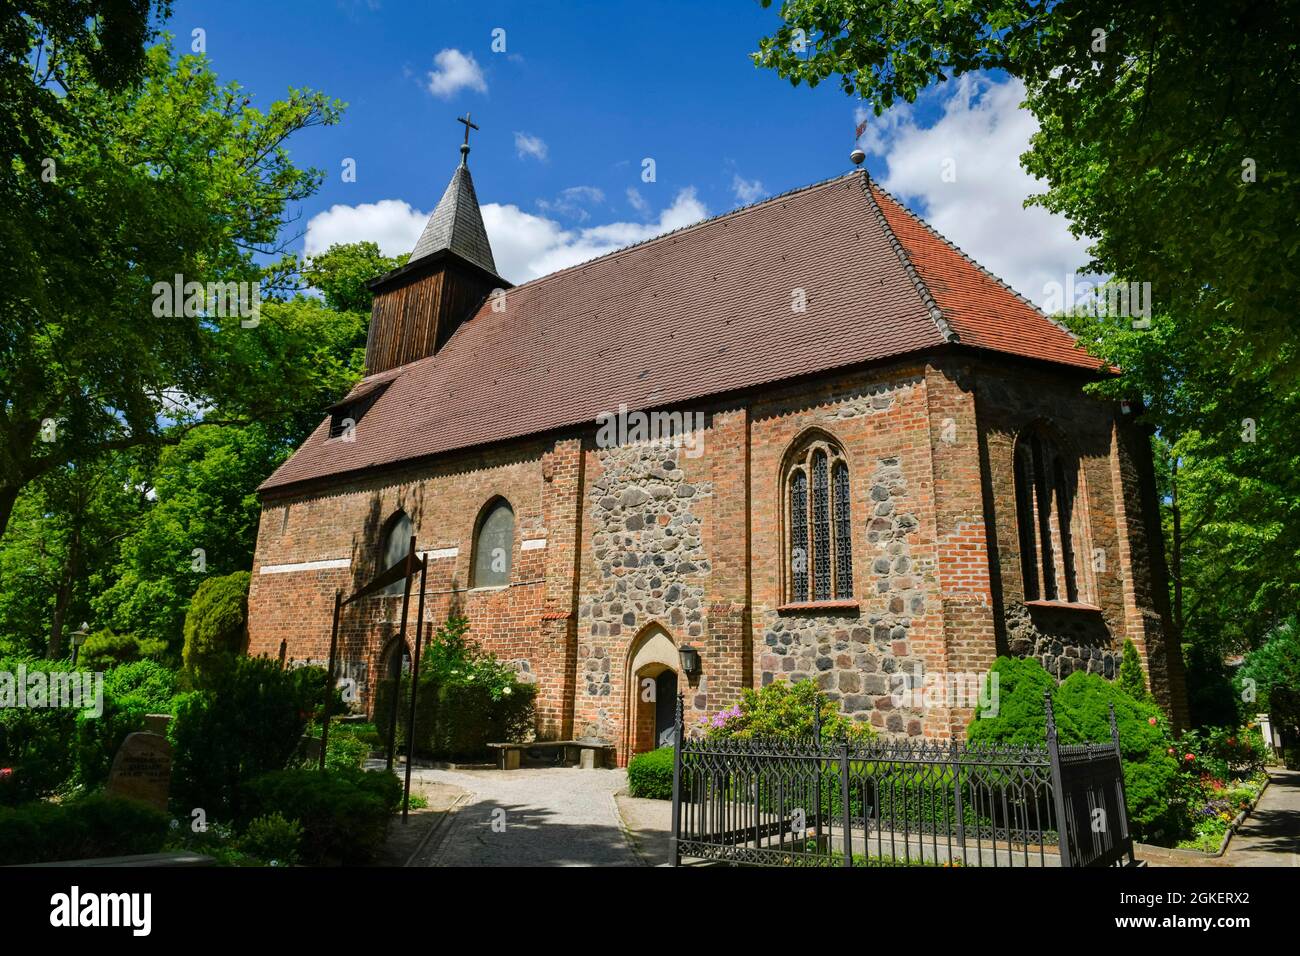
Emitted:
<point x="695" y="313"/>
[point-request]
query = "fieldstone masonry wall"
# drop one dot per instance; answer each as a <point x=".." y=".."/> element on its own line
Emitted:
<point x="650" y="567"/>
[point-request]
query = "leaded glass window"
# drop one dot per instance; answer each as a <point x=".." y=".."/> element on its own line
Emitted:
<point x="821" y="530"/>
<point x="494" y="546"/>
<point x="799" y="535"/>
<point x="843" y="534"/>
<point x="396" y="545"/>
<point x="819" y="524"/>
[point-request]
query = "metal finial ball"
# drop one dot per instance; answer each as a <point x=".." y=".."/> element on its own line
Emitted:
<point x="857" y="156"/>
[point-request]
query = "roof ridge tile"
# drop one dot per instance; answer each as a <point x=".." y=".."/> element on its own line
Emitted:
<point x="945" y="329"/>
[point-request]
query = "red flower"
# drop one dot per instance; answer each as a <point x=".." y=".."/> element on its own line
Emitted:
<point x="6" y="772"/>
<point x="1189" y="758"/>
<point x="1151" y="721"/>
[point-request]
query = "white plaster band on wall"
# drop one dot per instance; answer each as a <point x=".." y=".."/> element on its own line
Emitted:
<point x="533" y="544"/>
<point x="441" y="553"/>
<point x="307" y="566"/>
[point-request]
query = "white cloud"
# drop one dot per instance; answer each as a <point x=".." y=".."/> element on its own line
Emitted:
<point x="526" y="246"/>
<point x="747" y="190"/>
<point x="636" y="200"/>
<point x="391" y="223"/>
<point x="455" y="71"/>
<point x="573" y="202"/>
<point x="526" y="145"/>
<point x="979" y="139"/>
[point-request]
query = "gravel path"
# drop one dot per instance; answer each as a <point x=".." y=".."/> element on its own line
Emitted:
<point x="545" y="817"/>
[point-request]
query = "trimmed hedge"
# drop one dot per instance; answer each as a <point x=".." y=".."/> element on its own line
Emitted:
<point x="344" y="813"/>
<point x="651" y="774"/>
<point x="92" y="826"/>
<point x="216" y="625"/>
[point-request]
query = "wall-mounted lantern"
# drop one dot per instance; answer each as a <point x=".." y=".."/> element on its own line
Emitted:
<point x="690" y="660"/>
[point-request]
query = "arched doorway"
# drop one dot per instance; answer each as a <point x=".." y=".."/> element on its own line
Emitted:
<point x="392" y="663"/>
<point x="651" y="692"/>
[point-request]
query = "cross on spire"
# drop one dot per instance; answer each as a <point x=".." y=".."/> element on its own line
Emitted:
<point x="464" y="148"/>
<point x="468" y="125"/>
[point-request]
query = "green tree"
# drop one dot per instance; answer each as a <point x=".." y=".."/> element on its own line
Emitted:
<point x="342" y="273"/>
<point x="87" y="366"/>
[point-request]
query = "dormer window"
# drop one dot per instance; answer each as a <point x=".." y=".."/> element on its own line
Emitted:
<point x="346" y="415"/>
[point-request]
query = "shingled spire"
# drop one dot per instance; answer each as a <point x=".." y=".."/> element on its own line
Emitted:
<point x="449" y="273"/>
<point x="457" y="223"/>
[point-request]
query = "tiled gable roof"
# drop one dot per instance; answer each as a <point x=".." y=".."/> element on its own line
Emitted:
<point x="698" y="312"/>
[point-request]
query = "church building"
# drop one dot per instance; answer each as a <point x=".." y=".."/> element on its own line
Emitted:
<point x="808" y="439"/>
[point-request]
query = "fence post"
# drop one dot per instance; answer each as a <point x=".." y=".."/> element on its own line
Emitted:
<point x="956" y="796"/>
<point x="847" y="816"/>
<point x="679" y="731"/>
<point x="1123" y="797"/>
<point x="817" y="772"/>
<point x="1058" y="788"/>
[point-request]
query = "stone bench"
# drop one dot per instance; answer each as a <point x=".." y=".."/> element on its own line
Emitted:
<point x="587" y="754"/>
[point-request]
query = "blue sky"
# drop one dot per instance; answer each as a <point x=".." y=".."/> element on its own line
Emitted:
<point x="581" y="95"/>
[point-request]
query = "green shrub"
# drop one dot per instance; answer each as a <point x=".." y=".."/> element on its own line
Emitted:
<point x="1151" y="772"/>
<point x="93" y="826"/>
<point x="345" y="750"/>
<point x="1020" y="718"/>
<point x="344" y="813"/>
<point x="651" y="774"/>
<point x="130" y="692"/>
<point x="1131" y="680"/>
<point x="273" y="838"/>
<point x="249" y="720"/>
<point x="784" y="710"/>
<point x="216" y="625"/>
<point x="104" y="650"/>
<point x="1080" y="703"/>
<point x="467" y="699"/>
<point x="36" y="743"/>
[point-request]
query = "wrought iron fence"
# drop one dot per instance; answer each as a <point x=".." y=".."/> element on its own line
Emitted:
<point x="817" y="802"/>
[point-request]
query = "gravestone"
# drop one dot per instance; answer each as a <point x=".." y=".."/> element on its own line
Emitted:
<point x="142" y="769"/>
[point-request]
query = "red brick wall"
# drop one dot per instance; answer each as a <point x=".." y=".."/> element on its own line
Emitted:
<point x="648" y="534"/>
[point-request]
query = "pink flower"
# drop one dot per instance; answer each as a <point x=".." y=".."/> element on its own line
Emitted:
<point x="1189" y="758"/>
<point x="6" y="772"/>
<point x="1151" y="721"/>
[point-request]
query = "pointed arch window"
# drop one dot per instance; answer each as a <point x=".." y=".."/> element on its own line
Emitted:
<point x="1047" y="480"/>
<point x="819" y="560"/>
<point x="494" y="545"/>
<point x="396" y="545"/>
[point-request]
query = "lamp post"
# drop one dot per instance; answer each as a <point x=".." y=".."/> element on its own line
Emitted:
<point x="78" y="638"/>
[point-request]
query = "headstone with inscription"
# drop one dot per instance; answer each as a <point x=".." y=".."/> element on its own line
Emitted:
<point x="142" y="769"/>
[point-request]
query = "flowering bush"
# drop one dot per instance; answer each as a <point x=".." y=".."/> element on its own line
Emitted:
<point x="467" y="698"/>
<point x="784" y="710"/>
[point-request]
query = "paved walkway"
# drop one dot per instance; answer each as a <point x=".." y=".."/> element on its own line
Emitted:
<point x="559" y="816"/>
<point x="1270" y="836"/>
